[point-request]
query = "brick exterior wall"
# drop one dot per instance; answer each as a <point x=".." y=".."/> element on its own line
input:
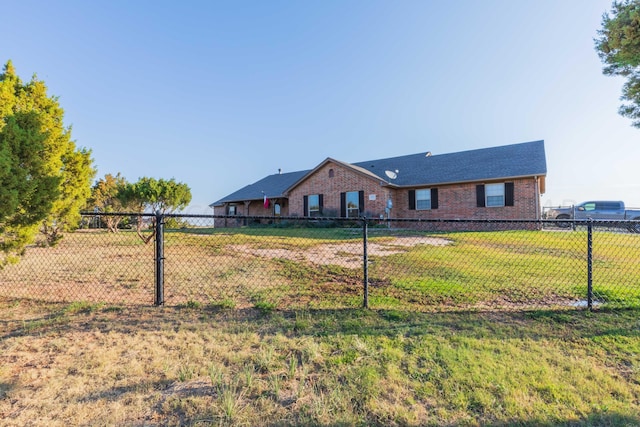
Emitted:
<point x="455" y="201"/>
<point x="458" y="201"/>
<point x="343" y="180"/>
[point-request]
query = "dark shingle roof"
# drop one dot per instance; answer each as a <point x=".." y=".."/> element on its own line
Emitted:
<point x="273" y="186"/>
<point x="507" y="161"/>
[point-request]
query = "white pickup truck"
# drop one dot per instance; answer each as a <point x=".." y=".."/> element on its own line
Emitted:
<point x="601" y="210"/>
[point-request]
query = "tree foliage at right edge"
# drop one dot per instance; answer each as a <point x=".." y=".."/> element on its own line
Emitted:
<point x="619" y="49"/>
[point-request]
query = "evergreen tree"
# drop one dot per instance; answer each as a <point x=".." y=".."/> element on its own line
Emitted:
<point x="44" y="178"/>
<point x="619" y="49"/>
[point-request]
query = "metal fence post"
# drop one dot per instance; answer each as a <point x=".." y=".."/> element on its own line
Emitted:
<point x="159" y="237"/>
<point x="365" y="263"/>
<point x="590" y="264"/>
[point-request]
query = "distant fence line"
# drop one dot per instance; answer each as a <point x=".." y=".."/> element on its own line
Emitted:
<point x="315" y="263"/>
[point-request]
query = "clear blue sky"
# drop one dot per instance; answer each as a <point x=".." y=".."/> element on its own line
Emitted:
<point x="220" y="94"/>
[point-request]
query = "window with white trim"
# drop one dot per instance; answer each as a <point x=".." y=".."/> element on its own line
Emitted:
<point x="353" y="204"/>
<point x="494" y="194"/>
<point x="423" y="199"/>
<point x="314" y="205"/>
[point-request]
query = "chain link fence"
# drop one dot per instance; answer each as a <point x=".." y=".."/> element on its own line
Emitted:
<point x="275" y="263"/>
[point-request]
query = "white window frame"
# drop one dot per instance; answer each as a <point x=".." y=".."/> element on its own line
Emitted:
<point x="352" y="200"/>
<point x="423" y="199"/>
<point x="313" y="205"/>
<point x="494" y="195"/>
<point x="233" y="210"/>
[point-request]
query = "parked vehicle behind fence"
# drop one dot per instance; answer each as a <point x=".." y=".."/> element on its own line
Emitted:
<point x="600" y="210"/>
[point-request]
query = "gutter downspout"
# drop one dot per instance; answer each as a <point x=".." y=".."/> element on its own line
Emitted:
<point x="537" y="191"/>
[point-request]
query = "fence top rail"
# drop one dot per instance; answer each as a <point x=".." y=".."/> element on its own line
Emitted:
<point x="367" y="219"/>
<point x="143" y="214"/>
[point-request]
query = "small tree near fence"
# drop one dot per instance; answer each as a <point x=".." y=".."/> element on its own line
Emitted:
<point x="156" y="195"/>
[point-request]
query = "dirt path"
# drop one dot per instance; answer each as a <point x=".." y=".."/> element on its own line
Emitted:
<point x="347" y="254"/>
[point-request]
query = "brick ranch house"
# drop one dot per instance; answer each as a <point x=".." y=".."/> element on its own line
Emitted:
<point x="503" y="182"/>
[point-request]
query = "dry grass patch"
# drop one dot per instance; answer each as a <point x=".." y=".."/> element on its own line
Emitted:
<point x="91" y="266"/>
<point x="93" y="364"/>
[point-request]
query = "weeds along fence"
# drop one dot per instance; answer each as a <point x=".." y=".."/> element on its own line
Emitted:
<point x="273" y="263"/>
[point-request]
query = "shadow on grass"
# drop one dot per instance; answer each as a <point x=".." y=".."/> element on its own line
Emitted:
<point x="595" y="420"/>
<point x="591" y="420"/>
<point x="536" y="325"/>
<point x="197" y="388"/>
<point x="5" y="388"/>
<point x="115" y="393"/>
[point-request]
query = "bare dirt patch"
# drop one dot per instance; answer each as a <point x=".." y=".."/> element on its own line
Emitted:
<point x="344" y="254"/>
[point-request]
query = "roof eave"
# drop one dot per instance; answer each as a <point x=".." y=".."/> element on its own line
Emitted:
<point x="469" y="181"/>
<point x="257" y="199"/>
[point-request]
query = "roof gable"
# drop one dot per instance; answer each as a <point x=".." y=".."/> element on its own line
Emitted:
<point x="353" y="167"/>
